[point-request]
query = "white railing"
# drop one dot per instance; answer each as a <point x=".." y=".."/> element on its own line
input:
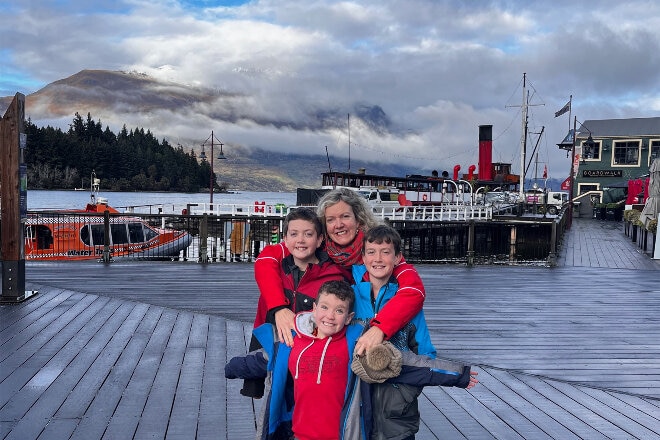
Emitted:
<point x="436" y="212"/>
<point x="249" y="210"/>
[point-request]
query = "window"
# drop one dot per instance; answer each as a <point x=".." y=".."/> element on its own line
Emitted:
<point x="119" y="233"/>
<point x="655" y="151"/>
<point x="98" y="235"/>
<point x="149" y="233"/>
<point x="135" y="232"/>
<point x="586" y="187"/>
<point x="592" y="153"/>
<point x="626" y="153"/>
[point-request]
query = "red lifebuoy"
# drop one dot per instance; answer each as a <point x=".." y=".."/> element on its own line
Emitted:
<point x="425" y="197"/>
<point x="184" y="211"/>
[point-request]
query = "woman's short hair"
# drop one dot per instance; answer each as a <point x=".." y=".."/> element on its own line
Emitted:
<point x="361" y="209"/>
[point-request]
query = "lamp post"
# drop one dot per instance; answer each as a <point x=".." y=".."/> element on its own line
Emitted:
<point x="221" y="156"/>
<point x="589" y="144"/>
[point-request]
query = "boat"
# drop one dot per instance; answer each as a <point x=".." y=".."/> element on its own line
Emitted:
<point x="79" y="234"/>
<point x="420" y="190"/>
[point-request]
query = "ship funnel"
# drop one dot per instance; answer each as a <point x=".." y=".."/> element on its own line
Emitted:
<point x="485" y="152"/>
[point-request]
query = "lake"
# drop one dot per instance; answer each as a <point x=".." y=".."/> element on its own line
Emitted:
<point x="149" y="202"/>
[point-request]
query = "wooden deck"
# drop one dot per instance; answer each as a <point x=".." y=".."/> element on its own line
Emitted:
<point x="137" y="350"/>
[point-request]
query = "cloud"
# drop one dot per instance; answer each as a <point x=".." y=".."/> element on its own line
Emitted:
<point x="438" y="69"/>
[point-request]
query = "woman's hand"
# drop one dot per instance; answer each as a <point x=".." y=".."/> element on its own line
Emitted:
<point x="284" y="322"/>
<point x="370" y="338"/>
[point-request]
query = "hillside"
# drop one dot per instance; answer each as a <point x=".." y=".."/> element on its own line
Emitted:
<point x="122" y="98"/>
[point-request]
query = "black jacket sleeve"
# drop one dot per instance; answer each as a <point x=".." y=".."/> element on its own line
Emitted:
<point x="250" y="366"/>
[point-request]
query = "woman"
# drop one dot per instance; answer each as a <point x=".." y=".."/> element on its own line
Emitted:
<point x="345" y="215"/>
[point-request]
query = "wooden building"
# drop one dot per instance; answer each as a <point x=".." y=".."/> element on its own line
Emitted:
<point x="609" y="152"/>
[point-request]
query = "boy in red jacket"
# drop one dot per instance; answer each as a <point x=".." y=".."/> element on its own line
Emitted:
<point x="302" y="271"/>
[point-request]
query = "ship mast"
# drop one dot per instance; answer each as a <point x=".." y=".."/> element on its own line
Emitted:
<point x="524" y="138"/>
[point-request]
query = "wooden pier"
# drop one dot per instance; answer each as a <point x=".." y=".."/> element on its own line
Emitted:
<point x="137" y="349"/>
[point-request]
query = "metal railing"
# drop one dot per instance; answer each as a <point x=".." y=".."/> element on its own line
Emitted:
<point x="237" y="233"/>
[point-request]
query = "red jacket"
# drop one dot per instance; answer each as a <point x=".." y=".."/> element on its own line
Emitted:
<point x="319" y="368"/>
<point x="274" y="271"/>
<point x="392" y="317"/>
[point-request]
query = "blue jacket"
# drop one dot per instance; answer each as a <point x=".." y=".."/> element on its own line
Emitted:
<point x="414" y="336"/>
<point x="271" y="362"/>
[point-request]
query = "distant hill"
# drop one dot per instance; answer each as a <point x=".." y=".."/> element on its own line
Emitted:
<point x="260" y="170"/>
<point x="117" y="96"/>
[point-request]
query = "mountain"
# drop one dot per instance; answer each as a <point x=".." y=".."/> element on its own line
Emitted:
<point x="122" y="98"/>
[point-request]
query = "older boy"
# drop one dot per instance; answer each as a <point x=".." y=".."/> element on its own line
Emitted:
<point x="304" y="268"/>
<point x="394" y="406"/>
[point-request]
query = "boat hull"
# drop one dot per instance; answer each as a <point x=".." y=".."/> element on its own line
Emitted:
<point x="71" y="237"/>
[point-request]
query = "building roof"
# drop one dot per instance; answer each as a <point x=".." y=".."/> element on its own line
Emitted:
<point x="620" y="127"/>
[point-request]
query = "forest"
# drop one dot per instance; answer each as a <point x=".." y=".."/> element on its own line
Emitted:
<point x="133" y="160"/>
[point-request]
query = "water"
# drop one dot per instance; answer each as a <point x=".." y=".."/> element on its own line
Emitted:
<point x="150" y="202"/>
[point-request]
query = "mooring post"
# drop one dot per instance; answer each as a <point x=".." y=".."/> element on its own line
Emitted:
<point x="552" y="257"/>
<point x="13" y="194"/>
<point x="203" y="239"/>
<point x="105" y="257"/>
<point x="512" y="244"/>
<point x="470" y="250"/>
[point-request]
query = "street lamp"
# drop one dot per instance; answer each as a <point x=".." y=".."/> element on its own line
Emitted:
<point x="221" y="156"/>
<point x="570" y="144"/>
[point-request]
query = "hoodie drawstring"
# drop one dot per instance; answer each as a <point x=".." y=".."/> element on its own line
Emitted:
<point x="300" y="355"/>
<point x="325" y="348"/>
<point x="318" y="378"/>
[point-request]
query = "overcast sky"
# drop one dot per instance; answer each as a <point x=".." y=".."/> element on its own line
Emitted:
<point x="439" y="69"/>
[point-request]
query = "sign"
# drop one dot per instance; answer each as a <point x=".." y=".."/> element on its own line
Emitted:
<point x="602" y="173"/>
<point x="566" y="184"/>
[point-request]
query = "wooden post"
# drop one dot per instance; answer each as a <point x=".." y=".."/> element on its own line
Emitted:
<point x="512" y="244"/>
<point x="470" y="250"/>
<point x="13" y="202"/>
<point x="552" y="257"/>
<point x="203" y="238"/>
<point x="106" y="258"/>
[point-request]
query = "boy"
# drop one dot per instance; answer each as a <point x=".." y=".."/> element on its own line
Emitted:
<point x="318" y="362"/>
<point x="394" y="407"/>
<point x="301" y="273"/>
<point x="328" y="404"/>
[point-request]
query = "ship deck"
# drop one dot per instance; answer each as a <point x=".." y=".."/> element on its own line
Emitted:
<point x="137" y="349"/>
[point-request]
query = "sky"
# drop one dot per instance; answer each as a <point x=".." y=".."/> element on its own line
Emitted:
<point x="438" y="69"/>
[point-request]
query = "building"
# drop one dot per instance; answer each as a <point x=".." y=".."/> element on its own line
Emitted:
<point x="610" y="152"/>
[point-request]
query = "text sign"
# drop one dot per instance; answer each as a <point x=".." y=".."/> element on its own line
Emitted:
<point x="602" y="173"/>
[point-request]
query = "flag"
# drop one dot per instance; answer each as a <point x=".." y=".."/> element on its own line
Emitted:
<point x="545" y="171"/>
<point x="564" y="109"/>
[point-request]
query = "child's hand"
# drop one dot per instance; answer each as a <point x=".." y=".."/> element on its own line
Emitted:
<point x="369" y="339"/>
<point x="284" y="322"/>
<point x="473" y="380"/>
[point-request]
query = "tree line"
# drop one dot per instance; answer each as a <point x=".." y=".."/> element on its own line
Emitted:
<point x="133" y="160"/>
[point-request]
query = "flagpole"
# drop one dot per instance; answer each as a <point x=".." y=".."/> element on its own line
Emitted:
<point x="570" y="108"/>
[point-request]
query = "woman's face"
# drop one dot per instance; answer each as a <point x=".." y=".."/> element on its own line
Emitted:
<point x="340" y="223"/>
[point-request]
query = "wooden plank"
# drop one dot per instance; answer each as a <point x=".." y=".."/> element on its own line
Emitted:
<point x="126" y="417"/>
<point x="34" y="364"/>
<point x="120" y="357"/>
<point x="40" y="398"/>
<point x="213" y="405"/>
<point x="156" y="414"/>
<point x="241" y="410"/>
<point x="185" y="409"/>
<point x="559" y="421"/>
